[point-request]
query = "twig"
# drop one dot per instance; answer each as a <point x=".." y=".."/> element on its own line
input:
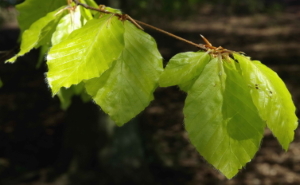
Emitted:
<point x="96" y="9"/>
<point x="201" y="46"/>
<point x="134" y="21"/>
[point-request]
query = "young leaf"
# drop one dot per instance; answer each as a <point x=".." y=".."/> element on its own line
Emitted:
<point x="127" y="87"/>
<point x="69" y="23"/>
<point x="38" y="34"/>
<point x="32" y="10"/>
<point x="86" y="53"/>
<point x="221" y="119"/>
<point x="271" y="97"/>
<point x="183" y="67"/>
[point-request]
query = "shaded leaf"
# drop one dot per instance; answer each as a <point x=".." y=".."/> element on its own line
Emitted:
<point x="86" y="53"/>
<point x="43" y="51"/>
<point x="38" y="34"/>
<point x="221" y="118"/>
<point x="65" y="95"/>
<point x="32" y="10"/>
<point x="127" y="87"/>
<point x="271" y="98"/>
<point x="87" y="14"/>
<point x="91" y="3"/>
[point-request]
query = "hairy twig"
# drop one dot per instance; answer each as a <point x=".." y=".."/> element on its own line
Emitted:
<point x="134" y="21"/>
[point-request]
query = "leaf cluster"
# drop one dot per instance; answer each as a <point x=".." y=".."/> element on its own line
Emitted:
<point x="98" y="55"/>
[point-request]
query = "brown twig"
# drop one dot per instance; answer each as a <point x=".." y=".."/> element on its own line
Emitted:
<point x="201" y="46"/>
<point x="134" y="21"/>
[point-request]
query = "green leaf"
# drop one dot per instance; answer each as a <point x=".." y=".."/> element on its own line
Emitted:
<point x="65" y="95"/>
<point x="127" y="87"/>
<point x="109" y="9"/>
<point x="87" y="14"/>
<point x="32" y="10"/>
<point x="1" y="83"/>
<point x="221" y="119"/>
<point x="271" y="98"/>
<point x="43" y="51"/>
<point x="113" y="10"/>
<point x="183" y="68"/>
<point x="69" y="23"/>
<point x="86" y="53"/>
<point x="38" y="34"/>
<point x="91" y="3"/>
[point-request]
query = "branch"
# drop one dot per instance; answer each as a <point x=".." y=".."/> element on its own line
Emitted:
<point x="200" y="46"/>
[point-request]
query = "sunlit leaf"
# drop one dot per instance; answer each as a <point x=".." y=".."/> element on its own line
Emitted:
<point x="183" y="68"/>
<point x="32" y="10"/>
<point x="127" y="87"/>
<point x="38" y="34"/>
<point x="221" y="118"/>
<point x="86" y="53"/>
<point x="271" y="98"/>
<point x="68" y="24"/>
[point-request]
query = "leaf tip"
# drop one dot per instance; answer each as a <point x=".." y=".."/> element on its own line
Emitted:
<point x="12" y="60"/>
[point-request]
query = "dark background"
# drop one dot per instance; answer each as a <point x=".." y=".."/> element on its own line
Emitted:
<point x="42" y="144"/>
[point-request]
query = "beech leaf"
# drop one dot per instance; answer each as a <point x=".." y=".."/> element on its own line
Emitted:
<point x="183" y="67"/>
<point x="221" y="118"/>
<point x="86" y="53"/>
<point x="32" y="10"/>
<point x="272" y="99"/>
<point x="38" y="34"/>
<point x="127" y="87"/>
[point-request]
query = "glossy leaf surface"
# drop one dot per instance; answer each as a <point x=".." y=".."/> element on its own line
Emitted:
<point x="221" y="119"/>
<point x="271" y="98"/>
<point x="86" y="53"/>
<point x="32" y="10"/>
<point x="38" y="34"/>
<point x="127" y="87"/>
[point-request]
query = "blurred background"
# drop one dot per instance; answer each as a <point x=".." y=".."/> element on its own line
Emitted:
<point x="41" y="144"/>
